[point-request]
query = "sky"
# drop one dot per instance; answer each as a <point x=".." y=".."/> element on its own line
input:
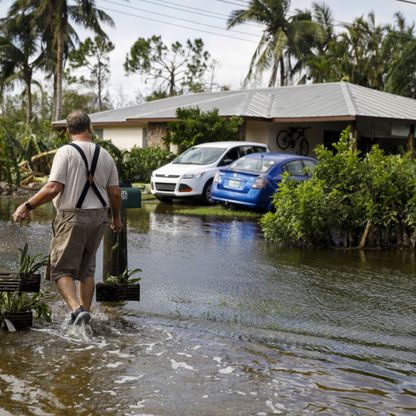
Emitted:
<point x="178" y="20"/>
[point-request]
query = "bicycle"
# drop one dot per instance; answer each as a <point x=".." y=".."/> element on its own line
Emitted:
<point x="288" y="138"/>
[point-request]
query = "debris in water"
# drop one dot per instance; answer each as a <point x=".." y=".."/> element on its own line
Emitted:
<point x="227" y="370"/>
<point x="176" y="365"/>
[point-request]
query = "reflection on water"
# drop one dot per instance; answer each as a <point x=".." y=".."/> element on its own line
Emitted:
<point x="227" y="325"/>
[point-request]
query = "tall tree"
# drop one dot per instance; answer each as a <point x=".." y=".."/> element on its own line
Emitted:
<point x="362" y="60"/>
<point x="55" y="19"/>
<point x="175" y="67"/>
<point x="281" y="32"/>
<point x="400" y="43"/>
<point x="93" y="56"/>
<point x="316" y="60"/>
<point x="20" y="55"/>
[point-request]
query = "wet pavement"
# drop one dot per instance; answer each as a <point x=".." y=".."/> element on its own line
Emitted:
<point x="227" y="325"/>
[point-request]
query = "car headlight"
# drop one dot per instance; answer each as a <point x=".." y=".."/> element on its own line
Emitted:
<point x="192" y="175"/>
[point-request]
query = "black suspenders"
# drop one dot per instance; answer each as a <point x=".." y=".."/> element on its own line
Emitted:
<point x="90" y="175"/>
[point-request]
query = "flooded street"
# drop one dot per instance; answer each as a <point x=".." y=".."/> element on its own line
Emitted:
<point x="226" y="325"/>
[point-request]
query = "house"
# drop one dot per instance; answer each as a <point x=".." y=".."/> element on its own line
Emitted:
<point x="325" y="109"/>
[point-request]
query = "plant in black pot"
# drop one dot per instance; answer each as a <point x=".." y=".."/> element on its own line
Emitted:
<point x="27" y="277"/>
<point x="17" y="310"/>
<point x="120" y="287"/>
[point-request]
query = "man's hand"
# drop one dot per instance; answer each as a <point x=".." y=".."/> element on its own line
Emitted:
<point x="45" y="194"/>
<point x="21" y="213"/>
<point x="114" y="195"/>
<point x="117" y="225"/>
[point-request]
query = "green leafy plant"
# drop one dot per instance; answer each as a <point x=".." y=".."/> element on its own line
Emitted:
<point x="30" y="264"/>
<point x="124" y="278"/>
<point x="352" y="199"/>
<point x="194" y="126"/>
<point x="139" y="163"/>
<point x="11" y="302"/>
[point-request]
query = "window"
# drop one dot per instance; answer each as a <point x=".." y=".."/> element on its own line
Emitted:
<point x="309" y="166"/>
<point x="229" y="157"/>
<point x="253" y="164"/>
<point x="259" y="149"/>
<point x="199" y="156"/>
<point x="246" y="150"/>
<point x="295" y="168"/>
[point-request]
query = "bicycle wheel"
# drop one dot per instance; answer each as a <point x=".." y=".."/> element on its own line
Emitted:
<point x="283" y="139"/>
<point x="303" y="147"/>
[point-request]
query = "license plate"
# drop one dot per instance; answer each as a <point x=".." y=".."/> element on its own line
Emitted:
<point x="233" y="183"/>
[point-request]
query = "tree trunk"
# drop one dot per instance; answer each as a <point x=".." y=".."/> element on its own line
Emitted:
<point x="59" y="68"/>
<point x="282" y="72"/>
<point x="29" y="99"/>
<point x="100" y="87"/>
<point x="405" y="238"/>
<point x="364" y="237"/>
<point x="273" y="76"/>
<point x="172" y="81"/>
<point x="400" y="234"/>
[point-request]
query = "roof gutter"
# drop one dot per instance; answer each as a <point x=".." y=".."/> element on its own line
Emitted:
<point x="312" y="119"/>
<point x="128" y="123"/>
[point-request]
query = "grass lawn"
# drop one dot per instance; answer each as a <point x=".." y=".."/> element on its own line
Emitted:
<point x="211" y="210"/>
<point x="147" y="197"/>
<point x="216" y="210"/>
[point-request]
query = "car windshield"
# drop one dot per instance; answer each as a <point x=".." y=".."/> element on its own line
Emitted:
<point x="251" y="164"/>
<point x="199" y="156"/>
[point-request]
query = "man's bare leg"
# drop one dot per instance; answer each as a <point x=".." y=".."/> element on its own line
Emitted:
<point x="86" y="291"/>
<point x="68" y="290"/>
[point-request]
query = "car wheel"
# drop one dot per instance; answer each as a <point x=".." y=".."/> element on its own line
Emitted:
<point x="206" y="194"/>
<point x="165" y="199"/>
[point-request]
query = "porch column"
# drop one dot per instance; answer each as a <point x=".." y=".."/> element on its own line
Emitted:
<point x="411" y="141"/>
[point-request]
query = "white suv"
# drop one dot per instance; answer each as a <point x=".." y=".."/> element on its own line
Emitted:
<point x="192" y="172"/>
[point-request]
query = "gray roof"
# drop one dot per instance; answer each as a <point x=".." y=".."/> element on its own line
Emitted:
<point x="329" y="100"/>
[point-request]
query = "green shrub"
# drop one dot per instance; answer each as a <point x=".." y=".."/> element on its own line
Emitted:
<point x="368" y="200"/>
<point x="139" y="163"/>
<point x="194" y="126"/>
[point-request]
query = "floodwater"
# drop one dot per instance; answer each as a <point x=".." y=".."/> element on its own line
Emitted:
<point x="227" y="325"/>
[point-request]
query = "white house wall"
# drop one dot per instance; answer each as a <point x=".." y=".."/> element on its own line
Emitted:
<point x="125" y="137"/>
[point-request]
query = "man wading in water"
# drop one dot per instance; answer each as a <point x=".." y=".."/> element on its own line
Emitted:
<point x="83" y="183"/>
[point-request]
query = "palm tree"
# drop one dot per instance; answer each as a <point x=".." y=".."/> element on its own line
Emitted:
<point x="317" y="63"/>
<point x="359" y="55"/>
<point x="308" y="39"/>
<point x="20" y="56"/>
<point x="282" y="34"/>
<point x="400" y="43"/>
<point x="55" y="19"/>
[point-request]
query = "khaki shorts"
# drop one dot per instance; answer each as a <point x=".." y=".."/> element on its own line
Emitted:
<point x="77" y="234"/>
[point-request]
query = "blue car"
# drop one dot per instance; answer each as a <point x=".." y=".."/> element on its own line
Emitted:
<point x="253" y="179"/>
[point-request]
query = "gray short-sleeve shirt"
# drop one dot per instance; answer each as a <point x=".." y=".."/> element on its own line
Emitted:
<point x="69" y="169"/>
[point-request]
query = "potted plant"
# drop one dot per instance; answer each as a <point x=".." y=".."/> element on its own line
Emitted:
<point x="27" y="278"/>
<point x="17" y="309"/>
<point x="119" y="288"/>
